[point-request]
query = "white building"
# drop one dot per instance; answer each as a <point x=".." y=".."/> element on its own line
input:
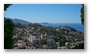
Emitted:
<point x="41" y="36"/>
<point x="31" y="38"/>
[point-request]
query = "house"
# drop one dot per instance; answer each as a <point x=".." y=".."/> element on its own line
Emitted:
<point x="31" y="38"/>
<point x="15" y="36"/>
<point x="57" y="43"/>
<point x="64" y="47"/>
<point x="20" y="44"/>
<point x="45" y="46"/>
<point x="36" y="41"/>
<point x="49" y="42"/>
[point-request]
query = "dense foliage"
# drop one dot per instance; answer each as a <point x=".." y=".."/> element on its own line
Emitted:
<point x="8" y="31"/>
<point x="6" y="6"/>
<point x="82" y="14"/>
<point x="8" y="34"/>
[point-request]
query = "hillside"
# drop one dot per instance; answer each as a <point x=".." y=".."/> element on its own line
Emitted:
<point x="20" y="21"/>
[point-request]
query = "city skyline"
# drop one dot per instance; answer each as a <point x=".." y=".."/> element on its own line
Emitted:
<point x="50" y="13"/>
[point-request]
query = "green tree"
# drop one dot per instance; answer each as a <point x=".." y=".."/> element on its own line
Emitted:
<point x="82" y="14"/>
<point x="8" y="31"/>
<point x="6" y="6"/>
<point x="8" y="34"/>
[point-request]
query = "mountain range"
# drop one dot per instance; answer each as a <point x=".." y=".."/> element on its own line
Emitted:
<point x="20" y="21"/>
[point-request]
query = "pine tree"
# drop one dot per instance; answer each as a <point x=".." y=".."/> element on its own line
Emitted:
<point x="8" y="31"/>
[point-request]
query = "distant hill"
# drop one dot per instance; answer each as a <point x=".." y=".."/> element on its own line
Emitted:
<point x="20" y="21"/>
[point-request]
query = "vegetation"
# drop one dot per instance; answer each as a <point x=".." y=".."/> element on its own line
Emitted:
<point x="6" y="6"/>
<point x="8" y="31"/>
<point x="82" y="14"/>
<point x="8" y="34"/>
<point x="81" y="46"/>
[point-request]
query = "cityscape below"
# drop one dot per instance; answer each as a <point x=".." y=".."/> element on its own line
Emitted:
<point x="36" y="36"/>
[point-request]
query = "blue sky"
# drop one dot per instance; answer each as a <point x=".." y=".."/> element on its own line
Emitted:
<point x="51" y="13"/>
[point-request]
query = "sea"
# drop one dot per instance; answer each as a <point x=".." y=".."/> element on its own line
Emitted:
<point x="77" y="26"/>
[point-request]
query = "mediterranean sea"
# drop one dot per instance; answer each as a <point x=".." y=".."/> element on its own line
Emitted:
<point x="77" y="26"/>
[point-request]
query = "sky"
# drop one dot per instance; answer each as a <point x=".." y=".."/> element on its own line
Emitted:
<point x="50" y="13"/>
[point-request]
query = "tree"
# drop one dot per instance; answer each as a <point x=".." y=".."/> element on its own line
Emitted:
<point x="8" y="31"/>
<point x="8" y="34"/>
<point x="6" y="6"/>
<point x="81" y="46"/>
<point x="82" y="14"/>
